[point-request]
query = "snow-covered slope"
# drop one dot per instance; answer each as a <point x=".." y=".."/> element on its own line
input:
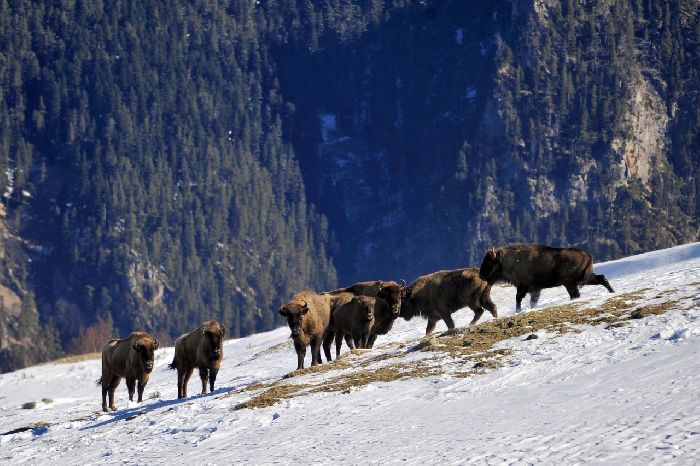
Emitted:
<point x="622" y="391"/>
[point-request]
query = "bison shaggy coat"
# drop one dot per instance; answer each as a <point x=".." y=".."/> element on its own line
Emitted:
<point x="438" y="295"/>
<point x="201" y="348"/>
<point x="533" y="267"/>
<point x="308" y="316"/>
<point x="130" y="358"/>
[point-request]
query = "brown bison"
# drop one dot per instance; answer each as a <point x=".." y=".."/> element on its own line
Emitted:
<point x="532" y="267"/>
<point x="308" y="316"/>
<point x="353" y="318"/>
<point x="438" y="295"/>
<point x="130" y="358"/>
<point x="388" y="292"/>
<point x="201" y="348"/>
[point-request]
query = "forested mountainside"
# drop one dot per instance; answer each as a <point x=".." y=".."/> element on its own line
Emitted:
<point x="163" y="162"/>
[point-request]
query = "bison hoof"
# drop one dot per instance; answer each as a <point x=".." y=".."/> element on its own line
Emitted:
<point x="113" y="408"/>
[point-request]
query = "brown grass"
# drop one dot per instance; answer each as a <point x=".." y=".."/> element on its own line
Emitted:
<point x="77" y="358"/>
<point x="271" y="396"/>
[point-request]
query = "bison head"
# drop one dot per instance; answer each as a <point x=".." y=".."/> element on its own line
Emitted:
<point x="215" y="341"/>
<point x="392" y="295"/>
<point x="490" y="269"/>
<point x="295" y="312"/>
<point x="146" y="353"/>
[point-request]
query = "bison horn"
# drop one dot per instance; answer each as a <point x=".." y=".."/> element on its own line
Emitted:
<point x="305" y="304"/>
<point x="403" y="283"/>
<point x="156" y="344"/>
<point x="223" y="329"/>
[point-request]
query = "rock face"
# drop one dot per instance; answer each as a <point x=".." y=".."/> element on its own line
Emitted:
<point x="643" y="144"/>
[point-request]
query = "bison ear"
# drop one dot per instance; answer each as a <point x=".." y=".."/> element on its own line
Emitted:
<point x="283" y="312"/>
<point x="304" y="310"/>
<point x="499" y="255"/>
<point x="156" y="344"/>
<point x="204" y="331"/>
<point x="222" y="328"/>
<point x="136" y="347"/>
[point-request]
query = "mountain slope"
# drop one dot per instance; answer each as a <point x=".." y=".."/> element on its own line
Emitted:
<point x="166" y="162"/>
<point x="619" y="390"/>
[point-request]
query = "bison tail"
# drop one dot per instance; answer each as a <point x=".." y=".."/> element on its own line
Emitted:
<point x="173" y="365"/>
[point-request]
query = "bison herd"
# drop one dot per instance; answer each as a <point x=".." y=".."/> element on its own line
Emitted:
<point x="359" y="313"/>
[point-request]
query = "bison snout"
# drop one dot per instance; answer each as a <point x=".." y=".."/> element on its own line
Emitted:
<point x="215" y="354"/>
<point x="296" y="333"/>
<point x="149" y="367"/>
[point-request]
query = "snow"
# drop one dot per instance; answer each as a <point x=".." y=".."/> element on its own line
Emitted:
<point x="623" y="395"/>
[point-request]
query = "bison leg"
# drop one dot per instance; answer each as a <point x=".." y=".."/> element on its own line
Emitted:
<point x="204" y="375"/>
<point x="212" y="378"/>
<point x="519" y="295"/>
<point x="431" y="326"/>
<point x="449" y="322"/>
<point x="105" y="388"/>
<point x="349" y="342"/>
<point x="181" y="385"/>
<point x="534" y="297"/>
<point x="490" y="306"/>
<point x="572" y="288"/>
<point x="113" y="384"/>
<point x="327" y="341"/>
<point x="131" y="386"/>
<point x="338" y="343"/>
<point x="141" y="386"/>
<point x="600" y="280"/>
<point x="186" y="374"/>
<point x="370" y="341"/>
<point x="477" y="315"/>
<point x="316" y="351"/>
<point x="301" y="354"/>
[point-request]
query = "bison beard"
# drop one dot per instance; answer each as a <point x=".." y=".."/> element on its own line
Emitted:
<point x="533" y="267"/>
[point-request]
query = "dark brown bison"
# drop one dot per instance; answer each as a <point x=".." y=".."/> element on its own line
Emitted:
<point x="438" y="295"/>
<point x="387" y="309"/>
<point x="130" y="358"/>
<point x="353" y="318"/>
<point x="533" y="267"/>
<point x="202" y="348"/>
<point x="388" y="292"/>
<point x="308" y="316"/>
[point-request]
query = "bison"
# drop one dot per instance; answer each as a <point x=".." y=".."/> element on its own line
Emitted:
<point x="201" y="348"/>
<point x="130" y="358"/>
<point x="386" y="310"/>
<point x="308" y="316"/>
<point x="533" y="267"/>
<point x="387" y="292"/>
<point x="353" y="318"/>
<point x="437" y="295"/>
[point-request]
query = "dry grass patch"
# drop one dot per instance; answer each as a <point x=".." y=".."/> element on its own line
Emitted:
<point x="77" y="358"/>
<point x="653" y="309"/>
<point x="271" y="396"/>
<point x="388" y="373"/>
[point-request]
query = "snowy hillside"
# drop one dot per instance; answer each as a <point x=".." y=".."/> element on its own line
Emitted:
<point x="611" y="378"/>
